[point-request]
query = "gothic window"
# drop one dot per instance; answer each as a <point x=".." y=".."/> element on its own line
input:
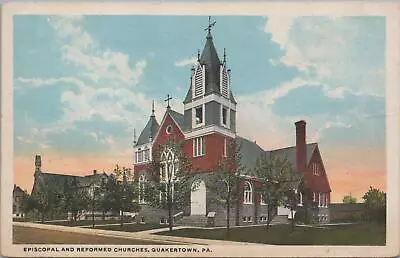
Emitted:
<point x="247" y="193"/>
<point x="314" y="197"/>
<point x="142" y="185"/>
<point x="198" y="81"/>
<point x="198" y="146"/>
<point x="224" y="82"/>
<point x="168" y="169"/>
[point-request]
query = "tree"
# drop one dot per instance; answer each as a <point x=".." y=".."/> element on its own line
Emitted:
<point x="293" y="195"/>
<point x="375" y="204"/>
<point x="171" y="182"/>
<point x="75" y="198"/>
<point x="46" y="199"/>
<point x="349" y="199"/>
<point x="277" y="179"/>
<point x="120" y="194"/>
<point x="224" y="182"/>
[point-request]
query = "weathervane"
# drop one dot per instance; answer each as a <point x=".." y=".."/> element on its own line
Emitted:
<point x="210" y="24"/>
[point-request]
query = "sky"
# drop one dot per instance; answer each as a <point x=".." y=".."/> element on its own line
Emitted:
<point x="82" y="83"/>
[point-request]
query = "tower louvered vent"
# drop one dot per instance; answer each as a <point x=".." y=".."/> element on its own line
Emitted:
<point x="224" y="82"/>
<point x="198" y="81"/>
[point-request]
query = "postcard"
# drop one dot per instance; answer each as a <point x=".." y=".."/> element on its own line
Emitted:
<point x="200" y="129"/>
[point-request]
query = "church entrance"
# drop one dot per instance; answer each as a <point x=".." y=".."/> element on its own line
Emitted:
<point x="198" y="198"/>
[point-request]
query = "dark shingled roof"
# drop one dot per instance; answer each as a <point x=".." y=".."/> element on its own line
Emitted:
<point x="250" y="152"/>
<point x="178" y="117"/>
<point x="150" y="130"/>
<point x="209" y="58"/>
<point x="59" y="180"/>
<point x="290" y="153"/>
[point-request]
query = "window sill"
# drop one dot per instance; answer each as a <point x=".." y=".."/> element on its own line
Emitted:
<point x="301" y="205"/>
<point x="197" y="125"/>
<point x="198" y="156"/>
<point x="247" y="203"/>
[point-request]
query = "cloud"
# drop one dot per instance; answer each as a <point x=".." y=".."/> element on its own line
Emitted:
<point x="186" y="62"/>
<point x="80" y="49"/>
<point x="339" y="52"/>
<point x="279" y="27"/>
<point x="329" y="124"/>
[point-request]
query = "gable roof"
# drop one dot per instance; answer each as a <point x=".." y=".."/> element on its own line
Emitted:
<point x="290" y="153"/>
<point x="150" y="130"/>
<point x="177" y="117"/>
<point x="59" y="180"/>
<point x="251" y="151"/>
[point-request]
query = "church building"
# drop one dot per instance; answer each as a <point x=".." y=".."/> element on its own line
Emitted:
<point x="206" y="126"/>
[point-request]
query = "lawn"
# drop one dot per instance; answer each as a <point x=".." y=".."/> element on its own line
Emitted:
<point x="27" y="235"/>
<point x="131" y="227"/>
<point x="70" y="223"/>
<point x="357" y="234"/>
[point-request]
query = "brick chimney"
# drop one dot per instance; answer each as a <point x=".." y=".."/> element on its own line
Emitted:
<point x="94" y="172"/>
<point x="301" y="149"/>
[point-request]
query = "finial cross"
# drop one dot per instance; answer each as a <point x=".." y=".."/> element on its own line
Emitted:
<point x="167" y="100"/>
<point x="210" y="24"/>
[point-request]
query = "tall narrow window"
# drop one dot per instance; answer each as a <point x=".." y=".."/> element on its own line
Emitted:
<point x="319" y="199"/>
<point x="224" y="116"/>
<point x="248" y="193"/>
<point x="300" y="199"/>
<point x="199" y="115"/>
<point x="198" y="81"/>
<point x="224" y="82"/>
<point x="142" y="189"/>
<point x="146" y="154"/>
<point x="198" y="146"/>
<point x="225" y="148"/>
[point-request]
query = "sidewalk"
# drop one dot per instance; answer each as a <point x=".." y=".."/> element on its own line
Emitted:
<point x="142" y="235"/>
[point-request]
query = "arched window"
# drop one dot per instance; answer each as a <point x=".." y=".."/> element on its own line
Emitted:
<point x="300" y="199"/>
<point x="224" y="82"/>
<point x="248" y="193"/>
<point x="142" y="189"/>
<point x="168" y="169"/>
<point x="198" y="81"/>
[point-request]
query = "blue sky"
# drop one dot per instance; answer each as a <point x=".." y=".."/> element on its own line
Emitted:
<point x="81" y="83"/>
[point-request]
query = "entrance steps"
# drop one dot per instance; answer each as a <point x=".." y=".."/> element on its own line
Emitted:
<point x="280" y="219"/>
<point x="193" y="220"/>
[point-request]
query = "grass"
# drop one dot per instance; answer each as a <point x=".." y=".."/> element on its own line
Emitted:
<point x="27" y="235"/>
<point x="132" y="227"/>
<point x="78" y="223"/>
<point x="357" y="234"/>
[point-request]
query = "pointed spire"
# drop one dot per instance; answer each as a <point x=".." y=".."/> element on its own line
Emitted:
<point x="152" y="109"/>
<point x="198" y="54"/>
<point x="134" y="136"/>
<point x="224" y="62"/>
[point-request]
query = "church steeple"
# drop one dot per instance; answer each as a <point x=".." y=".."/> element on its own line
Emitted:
<point x="209" y="101"/>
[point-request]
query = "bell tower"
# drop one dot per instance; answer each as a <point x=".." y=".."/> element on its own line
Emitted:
<point x="209" y="106"/>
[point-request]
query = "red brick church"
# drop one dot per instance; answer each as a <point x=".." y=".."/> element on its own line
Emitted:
<point x="206" y="126"/>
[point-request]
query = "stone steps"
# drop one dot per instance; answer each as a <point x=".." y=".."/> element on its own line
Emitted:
<point x="193" y="220"/>
<point x="280" y="219"/>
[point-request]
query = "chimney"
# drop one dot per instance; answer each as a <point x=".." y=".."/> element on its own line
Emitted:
<point x="94" y="172"/>
<point x="301" y="150"/>
<point x="38" y="163"/>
